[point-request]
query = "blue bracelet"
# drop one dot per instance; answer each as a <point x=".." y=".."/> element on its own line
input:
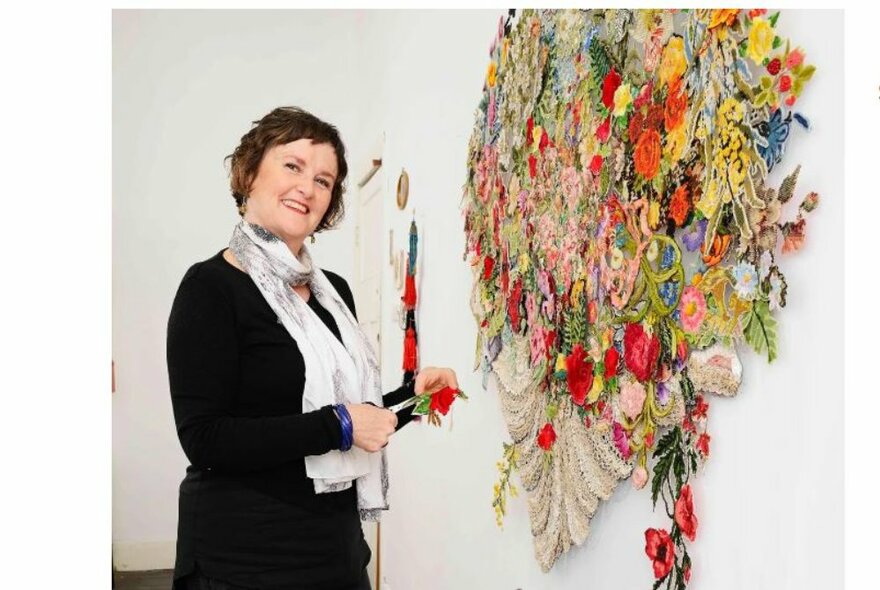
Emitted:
<point x="347" y="427"/>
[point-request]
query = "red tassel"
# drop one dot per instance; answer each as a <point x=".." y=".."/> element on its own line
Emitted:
<point x="409" y="293"/>
<point x="410" y="354"/>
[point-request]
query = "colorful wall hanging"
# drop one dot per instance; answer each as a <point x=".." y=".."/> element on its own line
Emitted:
<point x="409" y="299"/>
<point x="624" y="239"/>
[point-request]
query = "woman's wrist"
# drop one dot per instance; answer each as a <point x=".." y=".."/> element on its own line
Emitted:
<point x="346" y="425"/>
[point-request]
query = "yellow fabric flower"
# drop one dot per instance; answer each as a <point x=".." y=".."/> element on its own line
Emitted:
<point x="524" y="262"/>
<point x="622" y="99"/>
<point x="673" y="63"/>
<point x="505" y="47"/>
<point x="536" y="137"/>
<point x="760" y="40"/>
<point x="654" y="215"/>
<point x="596" y="390"/>
<point x="722" y="19"/>
<point x="675" y="143"/>
<point x="491" y="74"/>
<point x="560" y="363"/>
<point x="708" y="203"/>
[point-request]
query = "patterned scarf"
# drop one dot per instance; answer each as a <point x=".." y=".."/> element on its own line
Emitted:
<point x="335" y="373"/>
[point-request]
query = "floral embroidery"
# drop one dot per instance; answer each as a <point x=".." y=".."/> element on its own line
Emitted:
<point x="624" y="237"/>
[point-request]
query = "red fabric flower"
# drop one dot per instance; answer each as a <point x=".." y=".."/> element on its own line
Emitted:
<point x="544" y="142"/>
<point x="533" y="166"/>
<point x="703" y="444"/>
<point x="609" y="87"/>
<point x="636" y="126"/>
<point x="701" y="408"/>
<point x="785" y="83"/>
<point x="592" y="311"/>
<point x="596" y="164"/>
<point x="546" y="437"/>
<point x="640" y="351"/>
<point x="659" y="547"/>
<point x="649" y="440"/>
<point x="549" y="343"/>
<point x="442" y="400"/>
<point x="488" y="267"/>
<point x="687" y="574"/>
<point x="579" y="374"/>
<point x="611" y="359"/>
<point x="684" y="513"/>
<point x="682" y="350"/>
<point x="774" y="66"/>
<point x="530" y="126"/>
<point x="604" y="130"/>
<point x="513" y="305"/>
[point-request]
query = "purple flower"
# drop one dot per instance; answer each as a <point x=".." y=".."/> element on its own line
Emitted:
<point x="621" y="441"/>
<point x="693" y="239"/>
<point x="662" y="394"/>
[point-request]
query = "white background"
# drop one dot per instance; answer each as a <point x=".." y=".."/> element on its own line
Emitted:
<point x="185" y="87"/>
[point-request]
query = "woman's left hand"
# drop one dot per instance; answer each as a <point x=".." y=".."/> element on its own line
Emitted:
<point x="430" y="379"/>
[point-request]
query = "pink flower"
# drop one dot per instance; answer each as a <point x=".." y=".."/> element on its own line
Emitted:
<point x="621" y="441"/>
<point x="794" y="59"/>
<point x="693" y="309"/>
<point x="639" y="477"/>
<point x="632" y="399"/>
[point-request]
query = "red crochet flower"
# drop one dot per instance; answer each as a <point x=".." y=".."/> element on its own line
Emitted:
<point x="611" y="359"/>
<point x="703" y="444"/>
<point x="530" y="126"/>
<point x="533" y="166"/>
<point x="604" y="130"/>
<point x="442" y="400"/>
<point x="596" y="164"/>
<point x="609" y="87"/>
<point x="647" y="154"/>
<point x="679" y="206"/>
<point x="684" y="513"/>
<point x="546" y="437"/>
<point x="640" y="352"/>
<point x="513" y="305"/>
<point x="701" y="408"/>
<point x="659" y="547"/>
<point x="579" y="374"/>
<point x="488" y="267"/>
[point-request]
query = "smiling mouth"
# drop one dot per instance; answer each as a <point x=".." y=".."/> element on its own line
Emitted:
<point x="296" y="206"/>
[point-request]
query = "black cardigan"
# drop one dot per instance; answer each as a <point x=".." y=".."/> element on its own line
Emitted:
<point x="248" y="514"/>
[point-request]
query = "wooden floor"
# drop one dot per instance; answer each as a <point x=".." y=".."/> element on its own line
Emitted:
<point x="152" y="580"/>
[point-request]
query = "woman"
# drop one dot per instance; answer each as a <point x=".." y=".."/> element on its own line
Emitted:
<point x="275" y="390"/>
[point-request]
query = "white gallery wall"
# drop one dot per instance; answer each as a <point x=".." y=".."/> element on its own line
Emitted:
<point x="185" y="86"/>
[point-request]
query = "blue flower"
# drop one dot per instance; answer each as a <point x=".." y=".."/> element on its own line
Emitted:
<point x="668" y="257"/>
<point x="669" y="293"/>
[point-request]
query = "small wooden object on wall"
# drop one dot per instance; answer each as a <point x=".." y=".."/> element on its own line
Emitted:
<point x="402" y="190"/>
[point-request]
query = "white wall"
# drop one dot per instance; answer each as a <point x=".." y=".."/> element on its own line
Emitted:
<point x="775" y="479"/>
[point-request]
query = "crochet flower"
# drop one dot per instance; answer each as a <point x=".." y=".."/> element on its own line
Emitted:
<point x="693" y="239"/>
<point x="632" y="399"/>
<point x="703" y="444"/>
<point x="579" y="374"/>
<point x="676" y="106"/>
<point x="622" y="99"/>
<point x="546" y="437"/>
<point x="611" y="359"/>
<point x="679" y="206"/>
<point x="647" y="154"/>
<point x="640" y="351"/>
<point x="760" y="40"/>
<point x="609" y="86"/>
<point x="693" y="309"/>
<point x="639" y="477"/>
<point x="746" y="277"/>
<point x="661" y="551"/>
<point x="442" y="400"/>
<point x="684" y="513"/>
<point x="673" y="63"/>
<point x="621" y="441"/>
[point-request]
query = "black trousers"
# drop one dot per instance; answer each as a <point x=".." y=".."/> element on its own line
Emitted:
<point x="198" y="581"/>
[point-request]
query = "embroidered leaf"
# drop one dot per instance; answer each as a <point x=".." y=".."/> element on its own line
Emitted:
<point x="760" y="332"/>
<point x="786" y="190"/>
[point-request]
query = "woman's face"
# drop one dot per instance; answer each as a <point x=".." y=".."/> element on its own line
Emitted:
<point x="292" y="189"/>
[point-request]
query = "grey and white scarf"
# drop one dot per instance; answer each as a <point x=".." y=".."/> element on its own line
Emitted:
<point x="335" y="374"/>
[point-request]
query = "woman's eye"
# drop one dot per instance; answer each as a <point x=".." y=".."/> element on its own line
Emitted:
<point x="324" y="183"/>
<point x="292" y="166"/>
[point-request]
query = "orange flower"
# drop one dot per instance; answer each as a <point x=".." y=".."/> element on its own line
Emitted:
<point x="720" y="244"/>
<point x="676" y="105"/>
<point x="723" y="17"/>
<point x="679" y="206"/>
<point x="647" y="154"/>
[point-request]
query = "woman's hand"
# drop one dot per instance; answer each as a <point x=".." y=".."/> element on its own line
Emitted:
<point x="430" y="379"/>
<point x="372" y="426"/>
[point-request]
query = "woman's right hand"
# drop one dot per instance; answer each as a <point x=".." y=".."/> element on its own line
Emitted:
<point x="372" y="426"/>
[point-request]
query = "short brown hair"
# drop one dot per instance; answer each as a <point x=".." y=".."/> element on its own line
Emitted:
<point x="281" y="126"/>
